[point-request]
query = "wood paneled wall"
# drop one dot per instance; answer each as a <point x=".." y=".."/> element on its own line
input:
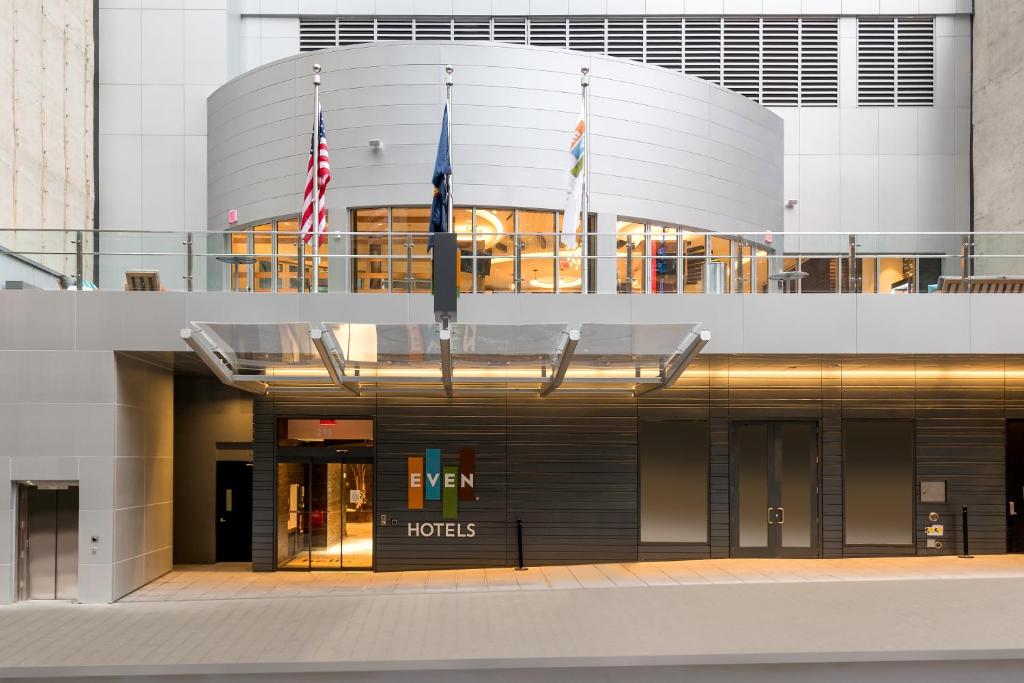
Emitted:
<point x="567" y="464"/>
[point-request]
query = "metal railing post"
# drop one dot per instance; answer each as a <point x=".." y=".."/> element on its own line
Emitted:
<point x="188" y="262"/>
<point x="408" y="264"/>
<point x="852" y="266"/>
<point x="79" y="258"/>
<point x="965" y="261"/>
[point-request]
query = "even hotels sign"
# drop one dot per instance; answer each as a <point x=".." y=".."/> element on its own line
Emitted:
<point x="430" y="480"/>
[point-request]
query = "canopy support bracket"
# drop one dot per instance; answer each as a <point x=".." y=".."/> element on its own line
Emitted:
<point x="562" y="361"/>
<point x="333" y="358"/>
<point x="446" y="360"/>
<point x="207" y="353"/>
<point x="678" y="361"/>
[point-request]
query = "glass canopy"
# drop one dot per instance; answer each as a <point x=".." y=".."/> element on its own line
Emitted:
<point x="358" y="357"/>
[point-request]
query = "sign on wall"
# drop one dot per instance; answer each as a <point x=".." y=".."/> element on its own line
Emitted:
<point x="429" y="479"/>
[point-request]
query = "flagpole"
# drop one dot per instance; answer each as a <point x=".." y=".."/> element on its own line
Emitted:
<point x="585" y="265"/>
<point x="315" y="284"/>
<point x="451" y="185"/>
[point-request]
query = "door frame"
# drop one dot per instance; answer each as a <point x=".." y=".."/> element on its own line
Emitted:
<point x="774" y="549"/>
<point x="217" y="507"/>
<point x="317" y="455"/>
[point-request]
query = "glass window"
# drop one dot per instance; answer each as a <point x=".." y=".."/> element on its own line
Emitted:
<point x="721" y="253"/>
<point x="867" y="275"/>
<point x="411" y="267"/>
<point x="695" y="250"/>
<point x="537" y="234"/>
<point x="664" y="248"/>
<point x="629" y="263"/>
<point x="263" y="249"/>
<point x="894" y="276"/>
<point x="761" y="270"/>
<point x="241" y="271"/>
<point x="673" y="481"/>
<point x="878" y="478"/>
<point x="495" y="250"/>
<point x="744" y="268"/>
<point x="288" y="256"/>
<point x="463" y="224"/>
<point x="822" y="275"/>
<point x="370" y="270"/>
<point x="570" y="262"/>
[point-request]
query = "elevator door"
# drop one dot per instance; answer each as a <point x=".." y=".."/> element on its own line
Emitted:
<point x="48" y="543"/>
<point x="775" y="489"/>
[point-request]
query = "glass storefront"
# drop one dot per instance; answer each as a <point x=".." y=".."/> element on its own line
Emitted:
<point x="325" y="494"/>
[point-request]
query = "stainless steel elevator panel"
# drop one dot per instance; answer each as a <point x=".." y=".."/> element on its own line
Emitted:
<point x="49" y="552"/>
<point x="67" y="544"/>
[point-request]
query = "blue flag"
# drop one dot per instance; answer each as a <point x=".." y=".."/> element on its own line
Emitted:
<point x="441" y="179"/>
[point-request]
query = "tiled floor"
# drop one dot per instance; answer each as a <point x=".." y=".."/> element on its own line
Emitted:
<point x="234" y="581"/>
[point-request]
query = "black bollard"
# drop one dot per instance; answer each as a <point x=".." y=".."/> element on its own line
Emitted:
<point x="519" y="543"/>
<point x="967" y="539"/>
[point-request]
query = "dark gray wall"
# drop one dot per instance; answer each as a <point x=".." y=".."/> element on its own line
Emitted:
<point x="205" y="413"/>
<point x="567" y="464"/>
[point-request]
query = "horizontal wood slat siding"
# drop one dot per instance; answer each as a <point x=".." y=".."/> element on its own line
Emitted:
<point x="567" y="464"/>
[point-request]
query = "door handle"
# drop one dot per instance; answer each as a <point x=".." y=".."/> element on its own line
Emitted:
<point x="1013" y="509"/>
<point x="782" y="515"/>
<point x="770" y="519"/>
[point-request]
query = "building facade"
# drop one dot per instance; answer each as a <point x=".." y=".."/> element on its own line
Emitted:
<point x="779" y="332"/>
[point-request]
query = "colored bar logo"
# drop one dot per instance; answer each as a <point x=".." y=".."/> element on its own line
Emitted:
<point x="428" y="481"/>
<point x="415" y="469"/>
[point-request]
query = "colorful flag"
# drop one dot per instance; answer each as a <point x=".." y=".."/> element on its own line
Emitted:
<point x="323" y="177"/>
<point x="577" y="165"/>
<point x="441" y="180"/>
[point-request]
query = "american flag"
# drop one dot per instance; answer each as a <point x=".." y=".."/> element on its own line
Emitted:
<point x="323" y="177"/>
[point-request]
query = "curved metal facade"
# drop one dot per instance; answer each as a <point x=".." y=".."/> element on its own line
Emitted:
<point x="664" y="146"/>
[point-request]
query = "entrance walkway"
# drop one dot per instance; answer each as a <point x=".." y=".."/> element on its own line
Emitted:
<point x="234" y="581"/>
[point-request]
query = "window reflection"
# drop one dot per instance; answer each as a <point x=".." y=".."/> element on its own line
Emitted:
<point x="695" y="251"/>
<point x="722" y="264"/>
<point x="370" y="269"/>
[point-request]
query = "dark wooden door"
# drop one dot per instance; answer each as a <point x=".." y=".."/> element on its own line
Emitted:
<point x="1015" y="486"/>
<point x="234" y="511"/>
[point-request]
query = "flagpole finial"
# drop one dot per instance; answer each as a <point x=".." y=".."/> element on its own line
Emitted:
<point x="585" y="76"/>
<point x="448" y="69"/>
<point x="316" y="68"/>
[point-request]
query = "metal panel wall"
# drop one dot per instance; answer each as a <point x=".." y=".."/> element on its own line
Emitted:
<point x="567" y="465"/>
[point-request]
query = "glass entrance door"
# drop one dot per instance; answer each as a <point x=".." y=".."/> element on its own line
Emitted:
<point x="324" y="514"/>
<point x="775" y="489"/>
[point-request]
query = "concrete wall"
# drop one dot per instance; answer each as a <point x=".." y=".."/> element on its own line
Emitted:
<point x="664" y="146"/>
<point x="46" y="140"/>
<point x="998" y="133"/>
<point x="103" y="420"/>
<point x="205" y="412"/>
<point x="809" y="323"/>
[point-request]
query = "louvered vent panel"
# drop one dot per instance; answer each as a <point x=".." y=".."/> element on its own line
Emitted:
<point x="472" y="29"/>
<point x="702" y="52"/>
<point x="664" y="42"/>
<point x="394" y="29"/>
<point x="433" y="29"/>
<point x="742" y="57"/>
<point x="819" y="62"/>
<point x="316" y="34"/>
<point x="780" y="69"/>
<point x="549" y="32"/>
<point x="626" y="37"/>
<point x="510" y="30"/>
<point x="876" y="62"/>
<point x="353" y="31"/>
<point x="587" y="35"/>
<point x="915" y="62"/>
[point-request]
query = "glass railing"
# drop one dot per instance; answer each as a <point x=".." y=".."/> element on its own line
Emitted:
<point x="634" y="261"/>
